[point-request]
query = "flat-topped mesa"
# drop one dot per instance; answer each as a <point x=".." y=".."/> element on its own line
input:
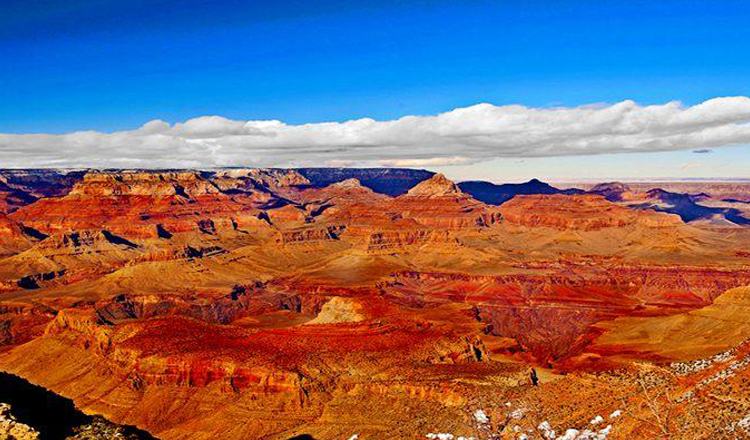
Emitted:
<point x="133" y="203"/>
<point x="269" y="178"/>
<point x="582" y="212"/>
<point x="434" y="187"/>
<point x="144" y="183"/>
<point x="40" y="182"/>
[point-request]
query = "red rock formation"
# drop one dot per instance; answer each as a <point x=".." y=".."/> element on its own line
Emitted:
<point x="247" y="304"/>
<point x="587" y="212"/>
<point x="8" y="228"/>
<point x="134" y="203"/>
<point x="268" y="178"/>
<point x="439" y="203"/>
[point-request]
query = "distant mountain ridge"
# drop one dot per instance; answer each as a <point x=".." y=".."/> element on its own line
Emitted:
<point x="493" y="194"/>
<point x="686" y="207"/>
<point x="19" y="188"/>
<point x="391" y="181"/>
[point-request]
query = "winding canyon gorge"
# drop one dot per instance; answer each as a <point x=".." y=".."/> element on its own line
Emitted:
<point x="383" y="303"/>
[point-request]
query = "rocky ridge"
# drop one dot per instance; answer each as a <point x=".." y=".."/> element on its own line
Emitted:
<point x="260" y="304"/>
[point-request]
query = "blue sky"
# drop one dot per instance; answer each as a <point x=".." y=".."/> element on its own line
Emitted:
<point x="111" y="65"/>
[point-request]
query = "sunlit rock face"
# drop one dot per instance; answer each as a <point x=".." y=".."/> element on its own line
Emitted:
<point x="11" y="429"/>
<point x="386" y="303"/>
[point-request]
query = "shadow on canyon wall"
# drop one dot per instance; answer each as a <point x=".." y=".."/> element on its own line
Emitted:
<point x="52" y="415"/>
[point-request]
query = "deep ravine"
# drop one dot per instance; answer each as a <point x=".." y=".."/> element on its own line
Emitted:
<point x="56" y="417"/>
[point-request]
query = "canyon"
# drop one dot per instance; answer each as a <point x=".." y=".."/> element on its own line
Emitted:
<point x="344" y="303"/>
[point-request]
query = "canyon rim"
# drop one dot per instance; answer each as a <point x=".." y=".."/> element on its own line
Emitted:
<point x="374" y="220"/>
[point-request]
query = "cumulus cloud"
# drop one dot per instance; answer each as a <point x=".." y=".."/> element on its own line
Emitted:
<point x="433" y="161"/>
<point x="461" y="136"/>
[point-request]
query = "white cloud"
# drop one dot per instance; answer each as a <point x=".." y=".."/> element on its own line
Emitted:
<point x="433" y="161"/>
<point x="461" y="136"/>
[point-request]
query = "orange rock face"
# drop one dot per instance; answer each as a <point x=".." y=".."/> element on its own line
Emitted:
<point x="584" y="212"/>
<point x="253" y="304"/>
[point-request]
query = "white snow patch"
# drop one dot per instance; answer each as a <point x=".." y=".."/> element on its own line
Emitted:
<point x="481" y="417"/>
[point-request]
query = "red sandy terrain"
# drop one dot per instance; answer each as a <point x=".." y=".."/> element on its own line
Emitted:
<point x="257" y="304"/>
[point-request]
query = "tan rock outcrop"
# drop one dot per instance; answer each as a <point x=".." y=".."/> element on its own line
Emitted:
<point x="10" y="429"/>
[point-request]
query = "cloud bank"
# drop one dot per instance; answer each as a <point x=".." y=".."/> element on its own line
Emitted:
<point x="461" y="136"/>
